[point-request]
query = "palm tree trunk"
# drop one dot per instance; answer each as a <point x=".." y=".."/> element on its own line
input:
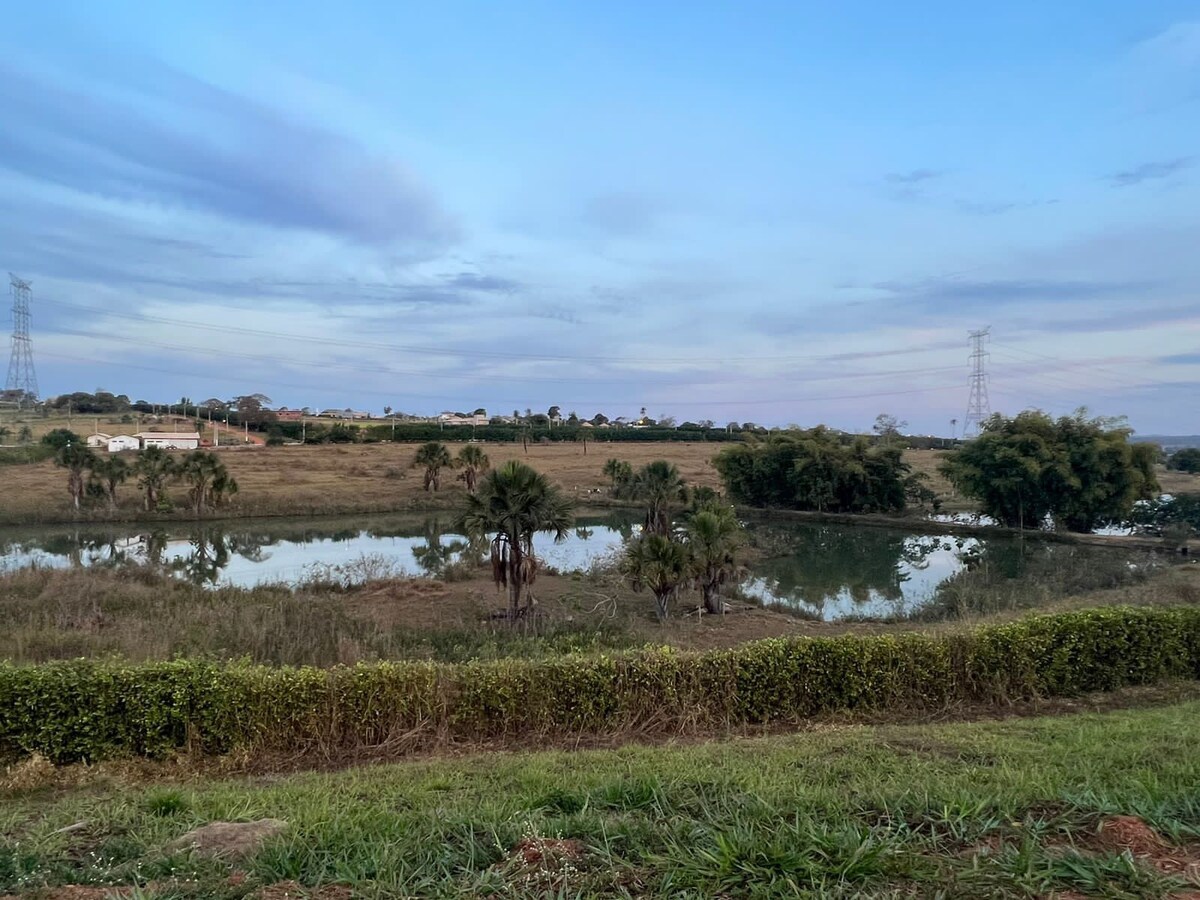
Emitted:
<point x="712" y="599"/>
<point x="514" y="580"/>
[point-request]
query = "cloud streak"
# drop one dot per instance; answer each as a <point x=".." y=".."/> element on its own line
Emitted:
<point x="1150" y="171"/>
<point x="172" y="139"/>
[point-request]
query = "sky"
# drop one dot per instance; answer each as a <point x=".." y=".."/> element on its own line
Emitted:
<point x="783" y="213"/>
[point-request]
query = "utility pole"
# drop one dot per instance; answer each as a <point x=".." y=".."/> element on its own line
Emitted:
<point x="22" y="379"/>
<point x="979" y="407"/>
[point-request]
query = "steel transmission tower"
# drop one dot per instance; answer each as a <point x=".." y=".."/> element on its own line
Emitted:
<point x="979" y="407"/>
<point x="22" y="379"/>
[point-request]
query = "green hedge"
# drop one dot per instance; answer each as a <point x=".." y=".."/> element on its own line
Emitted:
<point x="93" y="710"/>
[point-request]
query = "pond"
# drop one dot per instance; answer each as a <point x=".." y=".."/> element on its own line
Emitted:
<point x="827" y="572"/>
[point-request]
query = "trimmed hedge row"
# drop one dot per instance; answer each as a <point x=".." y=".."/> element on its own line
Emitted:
<point x="85" y="710"/>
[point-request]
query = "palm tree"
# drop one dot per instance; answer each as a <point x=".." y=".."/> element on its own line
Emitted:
<point x="154" y="467"/>
<point x="714" y="542"/>
<point x="658" y="563"/>
<point x="620" y="473"/>
<point x="209" y="479"/>
<point x="434" y="457"/>
<point x="76" y="459"/>
<point x="223" y="487"/>
<point x="514" y="502"/>
<point x="659" y="485"/>
<point x="109" y="472"/>
<point x="473" y="461"/>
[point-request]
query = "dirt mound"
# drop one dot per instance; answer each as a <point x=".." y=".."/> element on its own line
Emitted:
<point x="1121" y="834"/>
<point x="1130" y="833"/>
<point x="228" y="840"/>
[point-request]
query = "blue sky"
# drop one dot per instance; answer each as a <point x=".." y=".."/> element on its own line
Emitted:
<point x="777" y="212"/>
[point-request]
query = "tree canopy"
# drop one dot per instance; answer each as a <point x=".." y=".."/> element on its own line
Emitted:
<point x="1076" y="471"/>
<point x="815" y="470"/>
<point x="1186" y="460"/>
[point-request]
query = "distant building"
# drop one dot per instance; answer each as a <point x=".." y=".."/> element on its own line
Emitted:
<point x="98" y="440"/>
<point x="288" y="415"/>
<point x="123" y="442"/>
<point x="451" y="418"/>
<point x="170" y="440"/>
<point x="344" y="414"/>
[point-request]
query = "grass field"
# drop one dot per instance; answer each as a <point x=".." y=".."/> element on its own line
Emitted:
<point x="1034" y="807"/>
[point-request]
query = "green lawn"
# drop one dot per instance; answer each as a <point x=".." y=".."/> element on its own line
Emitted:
<point x="992" y="809"/>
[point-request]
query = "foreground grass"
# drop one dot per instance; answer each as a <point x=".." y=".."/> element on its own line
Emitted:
<point x="991" y="809"/>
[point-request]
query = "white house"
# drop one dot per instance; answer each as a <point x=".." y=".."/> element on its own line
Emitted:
<point x="170" y="440"/>
<point x="123" y="442"/>
<point x="449" y="418"/>
<point x="98" y="440"/>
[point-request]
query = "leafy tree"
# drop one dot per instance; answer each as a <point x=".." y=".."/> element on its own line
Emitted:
<point x="110" y="472"/>
<point x="660" y="564"/>
<point x="814" y="470"/>
<point x="473" y="462"/>
<point x="60" y="437"/>
<point x="154" y="467"/>
<point x="252" y="410"/>
<point x="76" y="458"/>
<point x="434" y="457"/>
<point x="1081" y="472"/>
<point x="554" y="412"/>
<point x="714" y="545"/>
<point x="620" y="474"/>
<point x="1187" y="460"/>
<point x="659" y="485"/>
<point x="209" y="481"/>
<point x="513" y="503"/>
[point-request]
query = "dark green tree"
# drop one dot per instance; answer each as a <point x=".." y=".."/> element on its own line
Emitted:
<point x="1080" y="472"/>
<point x="1186" y="460"/>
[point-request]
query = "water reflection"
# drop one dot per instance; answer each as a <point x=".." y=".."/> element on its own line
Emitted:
<point x="834" y="572"/>
<point x="817" y="571"/>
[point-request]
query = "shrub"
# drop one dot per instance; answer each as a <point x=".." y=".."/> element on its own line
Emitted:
<point x="92" y="710"/>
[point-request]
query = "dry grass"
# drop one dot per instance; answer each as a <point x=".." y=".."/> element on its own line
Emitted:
<point x="354" y="478"/>
<point x="54" y="614"/>
<point x="1178" y="482"/>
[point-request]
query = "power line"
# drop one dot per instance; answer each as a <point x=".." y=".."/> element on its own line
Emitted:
<point x="569" y="402"/>
<point x="445" y="351"/>
<point x="376" y="370"/>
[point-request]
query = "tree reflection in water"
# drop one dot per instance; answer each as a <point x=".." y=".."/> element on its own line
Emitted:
<point x="809" y="567"/>
<point x="433" y="556"/>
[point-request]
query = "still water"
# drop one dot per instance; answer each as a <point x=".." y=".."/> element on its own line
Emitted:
<point x="818" y="571"/>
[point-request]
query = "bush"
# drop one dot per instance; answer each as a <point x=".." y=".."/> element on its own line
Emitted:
<point x="93" y="710"/>
<point x="60" y="437"/>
